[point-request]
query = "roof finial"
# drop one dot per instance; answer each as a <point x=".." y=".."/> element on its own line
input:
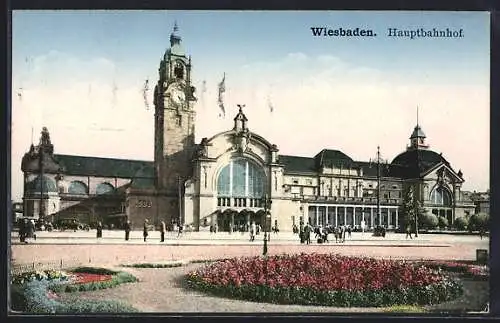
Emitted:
<point x="417" y="115"/>
<point x="176" y="28"/>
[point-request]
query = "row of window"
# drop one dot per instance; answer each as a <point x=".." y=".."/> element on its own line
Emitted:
<point x="243" y="178"/>
<point x="239" y="202"/>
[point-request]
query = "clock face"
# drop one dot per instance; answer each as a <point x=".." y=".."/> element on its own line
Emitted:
<point x="176" y="95"/>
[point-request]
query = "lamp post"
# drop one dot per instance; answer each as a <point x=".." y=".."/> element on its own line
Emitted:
<point x="41" y="209"/>
<point x="266" y="203"/>
<point x="378" y="160"/>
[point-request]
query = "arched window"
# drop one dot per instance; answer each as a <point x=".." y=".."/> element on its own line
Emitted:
<point x="104" y="188"/>
<point x="441" y="196"/>
<point x="241" y="178"/>
<point x="78" y="188"/>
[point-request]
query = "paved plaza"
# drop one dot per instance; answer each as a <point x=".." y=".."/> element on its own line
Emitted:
<point x="83" y="247"/>
<point x="66" y="249"/>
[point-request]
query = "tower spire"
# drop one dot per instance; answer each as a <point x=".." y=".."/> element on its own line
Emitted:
<point x="417" y="115"/>
<point x="175" y="39"/>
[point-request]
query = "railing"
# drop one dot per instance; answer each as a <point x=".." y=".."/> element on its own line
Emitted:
<point x="16" y="269"/>
<point x="239" y="202"/>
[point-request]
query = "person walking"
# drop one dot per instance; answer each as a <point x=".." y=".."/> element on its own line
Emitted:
<point x="145" y="230"/>
<point x="253" y="230"/>
<point x="30" y="234"/>
<point x="215" y="228"/>
<point x="127" y="230"/>
<point x="307" y="233"/>
<point x="163" y="228"/>
<point x="181" y="227"/>
<point x="349" y="230"/>
<point x="301" y="232"/>
<point x="99" y="229"/>
<point x="23" y="228"/>
<point x="408" y="232"/>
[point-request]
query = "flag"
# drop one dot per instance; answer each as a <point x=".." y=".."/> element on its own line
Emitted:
<point x="204" y="86"/>
<point x="220" y="100"/>
<point x="269" y="101"/>
<point x="114" y="89"/>
<point x="270" y="104"/>
<point x="145" y="91"/>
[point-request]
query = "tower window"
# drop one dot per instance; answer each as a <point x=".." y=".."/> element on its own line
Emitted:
<point x="179" y="70"/>
<point x="179" y="120"/>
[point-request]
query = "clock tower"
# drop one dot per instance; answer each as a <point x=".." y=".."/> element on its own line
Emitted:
<point x="174" y="128"/>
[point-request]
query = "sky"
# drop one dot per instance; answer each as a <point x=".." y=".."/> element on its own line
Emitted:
<point x="82" y="74"/>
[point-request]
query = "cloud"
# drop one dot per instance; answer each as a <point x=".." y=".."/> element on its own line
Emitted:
<point x="319" y="102"/>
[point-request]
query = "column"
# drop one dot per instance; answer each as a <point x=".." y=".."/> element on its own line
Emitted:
<point x="231" y="225"/>
<point x="336" y="215"/>
<point x="389" y="215"/>
<point x="397" y="217"/>
<point x="371" y="217"/>
<point x="345" y="215"/>
<point x="317" y="217"/>
<point x="327" y="215"/>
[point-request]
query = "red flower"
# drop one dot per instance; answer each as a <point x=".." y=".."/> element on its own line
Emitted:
<point x="83" y="278"/>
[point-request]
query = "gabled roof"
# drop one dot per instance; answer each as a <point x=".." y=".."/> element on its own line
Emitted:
<point x="101" y="167"/>
<point x="298" y="164"/>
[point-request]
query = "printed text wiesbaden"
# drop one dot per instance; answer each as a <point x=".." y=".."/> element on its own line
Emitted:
<point x="342" y="32"/>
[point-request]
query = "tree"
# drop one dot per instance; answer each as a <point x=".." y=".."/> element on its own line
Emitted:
<point x="460" y="223"/>
<point x="429" y="221"/>
<point x="408" y="209"/>
<point x="479" y="221"/>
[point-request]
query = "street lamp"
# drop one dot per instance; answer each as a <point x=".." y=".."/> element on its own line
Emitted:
<point x="266" y="203"/>
<point x="378" y="160"/>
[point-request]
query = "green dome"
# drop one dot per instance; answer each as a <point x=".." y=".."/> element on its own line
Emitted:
<point x="47" y="185"/>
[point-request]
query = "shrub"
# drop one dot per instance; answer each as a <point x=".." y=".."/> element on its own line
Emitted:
<point x="38" y="275"/>
<point x="32" y="296"/>
<point x="460" y="223"/>
<point x="97" y="306"/>
<point x="94" y="270"/>
<point x="442" y="222"/>
<point x="157" y="265"/>
<point x="479" y="221"/>
<point x="429" y="221"/>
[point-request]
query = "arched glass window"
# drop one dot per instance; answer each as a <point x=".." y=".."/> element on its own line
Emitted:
<point x="78" y="188"/>
<point x="441" y="196"/>
<point x="104" y="188"/>
<point x="241" y="178"/>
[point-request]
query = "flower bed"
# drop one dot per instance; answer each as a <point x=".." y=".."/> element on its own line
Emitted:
<point x="36" y="292"/>
<point x="321" y="279"/>
<point x="473" y="271"/>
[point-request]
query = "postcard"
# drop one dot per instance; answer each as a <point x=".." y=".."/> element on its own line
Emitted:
<point x="249" y="162"/>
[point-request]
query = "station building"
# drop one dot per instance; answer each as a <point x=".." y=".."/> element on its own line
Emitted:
<point x="233" y="178"/>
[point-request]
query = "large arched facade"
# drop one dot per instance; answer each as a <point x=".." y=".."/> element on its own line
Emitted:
<point x="441" y="200"/>
<point x="241" y="183"/>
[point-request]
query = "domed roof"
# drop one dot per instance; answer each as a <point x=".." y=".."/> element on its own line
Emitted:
<point x="419" y="159"/>
<point x="35" y="186"/>
<point x="329" y="157"/>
